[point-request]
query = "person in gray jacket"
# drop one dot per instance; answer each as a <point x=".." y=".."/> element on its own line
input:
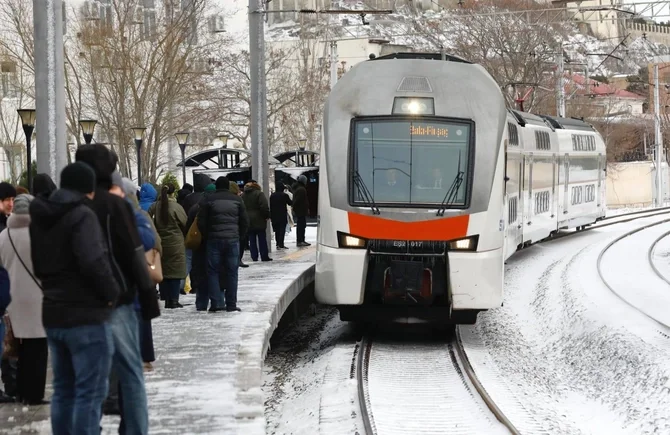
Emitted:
<point x="221" y="219"/>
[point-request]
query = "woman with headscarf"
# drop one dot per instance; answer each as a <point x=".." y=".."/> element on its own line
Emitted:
<point x="25" y="310"/>
<point x="170" y="221"/>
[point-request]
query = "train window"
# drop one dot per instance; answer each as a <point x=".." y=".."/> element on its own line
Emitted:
<point x="590" y="193"/>
<point x="512" y="210"/>
<point x="542" y="141"/>
<point x="513" y="134"/>
<point x="411" y="162"/>
<point x="542" y="202"/>
<point x="581" y="142"/>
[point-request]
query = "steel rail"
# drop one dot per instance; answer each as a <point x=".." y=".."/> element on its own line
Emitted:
<point x="650" y="255"/>
<point x="595" y="226"/>
<point x="607" y="284"/>
<point x="362" y="379"/>
<point x="470" y="371"/>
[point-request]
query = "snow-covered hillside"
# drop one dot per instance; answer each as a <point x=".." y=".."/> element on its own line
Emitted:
<point x="427" y="30"/>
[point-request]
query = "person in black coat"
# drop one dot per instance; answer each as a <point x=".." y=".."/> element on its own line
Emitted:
<point x="43" y="186"/>
<point x="182" y="193"/>
<point x="71" y="259"/>
<point x="129" y="267"/>
<point x="301" y="209"/>
<point x="279" y="213"/>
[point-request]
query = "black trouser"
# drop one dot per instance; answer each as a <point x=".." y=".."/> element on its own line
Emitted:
<point x="300" y="230"/>
<point x="279" y="228"/>
<point x="244" y="241"/>
<point x="146" y="341"/>
<point x="32" y="369"/>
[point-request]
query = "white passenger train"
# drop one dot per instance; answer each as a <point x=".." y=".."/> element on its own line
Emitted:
<point x="428" y="183"/>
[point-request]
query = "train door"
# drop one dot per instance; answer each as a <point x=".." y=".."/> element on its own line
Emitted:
<point x="530" y="189"/>
<point x="566" y="179"/>
<point x="523" y="185"/>
<point x="600" y="180"/>
<point x="554" y="169"/>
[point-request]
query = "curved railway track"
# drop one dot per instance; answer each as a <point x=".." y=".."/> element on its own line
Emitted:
<point x="650" y="256"/>
<point x="441" y="391"/>
<point x="612" y="287"/>
<point x="387" y="367"/>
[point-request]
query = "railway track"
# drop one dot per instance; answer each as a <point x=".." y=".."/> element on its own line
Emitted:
<point x="423" y="388"/>
<point x="648" y="303"/>
<point x="650" y="256"/>
<point x="612" y="220"/>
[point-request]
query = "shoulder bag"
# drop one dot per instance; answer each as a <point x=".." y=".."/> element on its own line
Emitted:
<point x="154" y="263"/>
<point x="193" y="237"/>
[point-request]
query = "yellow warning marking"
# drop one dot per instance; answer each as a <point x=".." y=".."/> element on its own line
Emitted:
<point x="299" y="254"/>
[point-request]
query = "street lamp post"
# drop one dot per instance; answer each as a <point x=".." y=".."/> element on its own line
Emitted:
<point x="88" y="127"/>
<point x="139" y="135"/>
<point x="28" y="122"/>
<point x="182" y="139"/>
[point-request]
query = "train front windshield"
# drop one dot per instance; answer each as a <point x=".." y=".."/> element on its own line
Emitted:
<point x="411" y="162"/>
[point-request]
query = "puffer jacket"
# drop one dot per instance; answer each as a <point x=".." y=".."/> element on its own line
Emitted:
<point x="257" y="206"/>
<point x="222" y="216"/>
<point x="171" y="234"/>
<point x="148" y="196"/>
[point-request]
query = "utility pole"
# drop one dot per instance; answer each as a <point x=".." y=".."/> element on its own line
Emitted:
<point x="49" y="88"/>
<point x="560" y="87"/>
<point x="333" y="64"/>
<point x="658" y="139"/>
<point x="259" y="148"/>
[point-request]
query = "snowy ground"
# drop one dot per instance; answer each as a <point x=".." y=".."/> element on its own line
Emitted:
<point x="564" y="354"/>
<point x="202" y="359"/>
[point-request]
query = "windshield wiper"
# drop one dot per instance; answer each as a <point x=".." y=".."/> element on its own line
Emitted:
<point x="452" y="193"/>
<point x="365" y="194"/>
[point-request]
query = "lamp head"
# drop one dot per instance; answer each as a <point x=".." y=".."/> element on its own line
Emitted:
<point x="302" y="143"/>
<point x="139" y="132"/>
<point x="182" y="137"/>
<point x="27" y="117"/>
<point x="88" y="125"/>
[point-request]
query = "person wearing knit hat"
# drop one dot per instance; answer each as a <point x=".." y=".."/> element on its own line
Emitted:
<point x="43" y="185"/>
<point x="118" y="225"/>
<point x="210" y="188"/>
<point x="25" y="311"/>
<point x="70" y="256"/>
<point x="222" y="183"/>
<point x="7" y="195"/>
<point x="117" y="185"/>
<point x="78" y="177"/>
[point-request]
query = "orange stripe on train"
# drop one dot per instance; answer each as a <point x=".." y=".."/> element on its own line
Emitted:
<point x="373" y="227"/>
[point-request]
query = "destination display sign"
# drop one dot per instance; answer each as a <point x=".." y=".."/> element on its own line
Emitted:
<point x="428" y="130"/>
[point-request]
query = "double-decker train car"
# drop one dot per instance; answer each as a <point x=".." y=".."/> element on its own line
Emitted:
<point x="442" y="184"/>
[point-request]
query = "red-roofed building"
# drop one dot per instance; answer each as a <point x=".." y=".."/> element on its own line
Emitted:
<point x="615" y="101"/>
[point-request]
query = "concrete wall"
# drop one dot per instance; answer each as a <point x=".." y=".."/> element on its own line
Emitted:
<point x="654" y="33"/>
<point x="633" y="184"/>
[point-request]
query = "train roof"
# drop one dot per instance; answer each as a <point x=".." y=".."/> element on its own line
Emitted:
<point x="430" y="56"/>
<point x="568" y="123"/>
<point x="525" y="118"/>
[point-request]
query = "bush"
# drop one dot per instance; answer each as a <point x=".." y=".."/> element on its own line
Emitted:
<point x="23" y="181"/>
<point x="170" y="180"/>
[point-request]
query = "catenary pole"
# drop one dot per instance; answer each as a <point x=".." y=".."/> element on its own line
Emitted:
<point x="333" y="63"/>
<point x="49" y="87"/>
<point x="259" y="148"/>
<point x="658" y="139"/>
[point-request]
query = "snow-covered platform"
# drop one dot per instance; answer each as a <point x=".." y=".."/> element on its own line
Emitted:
<point x="207" y="375"/>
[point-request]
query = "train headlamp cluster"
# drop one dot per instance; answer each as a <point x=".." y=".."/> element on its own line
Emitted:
<point x="351" y="242"/>
<point x="466" y="244"/>
<point x="413" y="106"/>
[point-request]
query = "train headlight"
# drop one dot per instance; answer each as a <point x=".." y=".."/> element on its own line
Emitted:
<point x="466" y="244"/>
<point x="413" y="106"/>
<point x="351" y="242"/>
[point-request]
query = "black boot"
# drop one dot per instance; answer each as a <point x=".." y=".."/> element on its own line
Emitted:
<point x="169" y="303"/>
<point x="176" y="304"/>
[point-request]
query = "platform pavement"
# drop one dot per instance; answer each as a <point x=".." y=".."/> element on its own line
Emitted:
<point x="207" y="375"/>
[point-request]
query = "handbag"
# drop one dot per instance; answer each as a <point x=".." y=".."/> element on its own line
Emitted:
<point x="154" y="263"/>
<point x="9" y="234"/>
<point x="193" y="237"/>
<point x="11" y="343"/>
